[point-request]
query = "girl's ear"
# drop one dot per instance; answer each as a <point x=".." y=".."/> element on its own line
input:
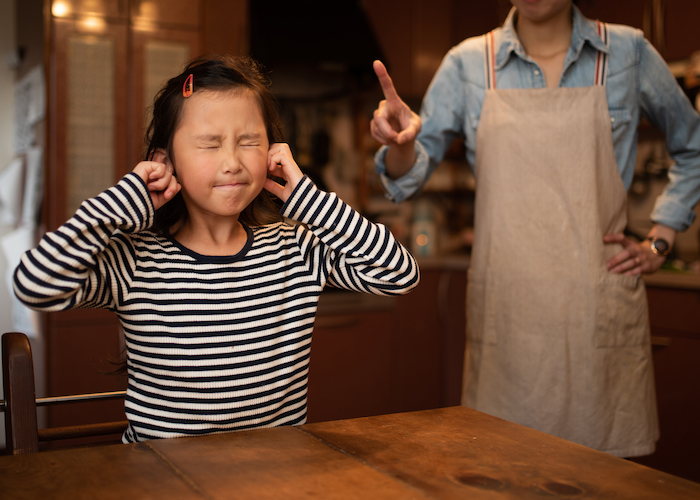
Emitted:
<point x="161" y="156"/>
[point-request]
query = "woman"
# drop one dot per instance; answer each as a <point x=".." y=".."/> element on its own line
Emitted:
<point x="549" y="106"/>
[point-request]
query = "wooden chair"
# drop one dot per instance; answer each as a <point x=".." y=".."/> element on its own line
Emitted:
<point x="22" y="434"/>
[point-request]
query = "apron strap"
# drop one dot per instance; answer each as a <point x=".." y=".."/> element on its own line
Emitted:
<point x="601" y="62"/>
<point x="489" y="61"/>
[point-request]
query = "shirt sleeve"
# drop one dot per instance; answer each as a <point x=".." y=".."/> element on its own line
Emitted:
<point x="442" y="115"/>
<point x="88" y="260"/>
<point x="668" y="108"/>
<point x="353" y="252"/>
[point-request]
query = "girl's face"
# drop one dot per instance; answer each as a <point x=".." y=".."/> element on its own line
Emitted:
<point x="219" y="152"/>
<point x="537" y="11"/>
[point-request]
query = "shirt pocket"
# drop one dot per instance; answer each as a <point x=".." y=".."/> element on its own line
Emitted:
<point x="620" y="119"/>
<point x="621" y="316"/>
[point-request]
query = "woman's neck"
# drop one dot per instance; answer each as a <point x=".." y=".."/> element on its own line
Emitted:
<point x="547" y="43"/>
<point x="545" y="38"/>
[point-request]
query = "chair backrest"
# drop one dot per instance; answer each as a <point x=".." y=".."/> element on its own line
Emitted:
<point x="22" y="434"/>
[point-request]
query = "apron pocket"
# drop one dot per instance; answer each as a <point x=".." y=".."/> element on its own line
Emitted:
<point x="621" y="319"/>
<point x="480" y="309"/>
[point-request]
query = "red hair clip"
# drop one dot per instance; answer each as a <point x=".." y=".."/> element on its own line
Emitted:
<point x="188" y="87"/>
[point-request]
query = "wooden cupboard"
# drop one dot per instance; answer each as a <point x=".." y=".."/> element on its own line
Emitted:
<point x="105" y="61"/>
<point x="374" y="355"/>
<point x="674" y="314"/>
<point x="671" y="25"/>
<point x="416" y="35"/>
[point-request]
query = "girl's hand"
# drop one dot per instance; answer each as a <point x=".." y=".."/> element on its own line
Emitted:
<point x="280" y="163"/>
<point x="634" y="259"/>
<point x="158" y="176"/>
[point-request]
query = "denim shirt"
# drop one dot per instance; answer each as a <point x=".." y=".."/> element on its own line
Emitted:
<point x="639" y="84"/>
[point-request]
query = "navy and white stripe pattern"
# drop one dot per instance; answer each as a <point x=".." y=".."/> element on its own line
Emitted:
<point x="214" y="344"/>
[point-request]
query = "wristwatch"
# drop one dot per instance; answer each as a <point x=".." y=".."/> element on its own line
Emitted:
<point x="659" y="246"/>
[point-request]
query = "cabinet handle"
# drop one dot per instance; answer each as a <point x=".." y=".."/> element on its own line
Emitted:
<point x="660" y="341"/>
<point x="336" y="321"/>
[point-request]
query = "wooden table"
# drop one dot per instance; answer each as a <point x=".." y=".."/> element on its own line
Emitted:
<point x="443" y="453"/>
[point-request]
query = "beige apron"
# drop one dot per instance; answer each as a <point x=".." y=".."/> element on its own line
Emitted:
<point x="555" y="341"/>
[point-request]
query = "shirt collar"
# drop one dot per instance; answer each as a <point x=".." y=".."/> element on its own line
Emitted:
<point x="584" y="30"/>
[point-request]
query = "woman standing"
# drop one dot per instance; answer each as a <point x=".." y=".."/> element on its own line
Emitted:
<point x="549" y="106"/>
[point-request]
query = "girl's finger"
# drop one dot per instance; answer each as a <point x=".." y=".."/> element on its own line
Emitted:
<point x="274" y="188"/>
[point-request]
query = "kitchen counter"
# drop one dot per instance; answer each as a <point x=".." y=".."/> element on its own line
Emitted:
<point x="662" y="278"/>
<point x="673" y="279"/>
<point x="446" y="262"/>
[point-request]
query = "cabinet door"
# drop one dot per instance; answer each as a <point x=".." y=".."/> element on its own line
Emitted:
<point x="157" y="55"/>
<point x="416" y="35"/>
<point x="87" y="118"/>
<point x="183" y="14"/>
<point x="84" y="354"/>
<point x="635" y="13"/>
<point x="674" y="315"/>
<point x="350" y="369"/>
<point x="113" y="9"/>
<point x="681" y="28"/>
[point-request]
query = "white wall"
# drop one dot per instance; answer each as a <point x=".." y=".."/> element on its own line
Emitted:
<point x="7" y="84"/>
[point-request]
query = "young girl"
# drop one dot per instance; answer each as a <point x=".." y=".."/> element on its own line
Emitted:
<point x="215" y="292"/>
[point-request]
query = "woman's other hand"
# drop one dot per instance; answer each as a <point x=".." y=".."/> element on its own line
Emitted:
<point x="635" y="258"/>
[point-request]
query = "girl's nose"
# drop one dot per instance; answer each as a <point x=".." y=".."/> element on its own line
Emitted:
<point x="231" y="163"/>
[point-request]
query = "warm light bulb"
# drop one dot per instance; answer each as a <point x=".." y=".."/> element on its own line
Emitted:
<point x="422" y="240"/>
<point x="60" y="8"/>
<point x="93" y="24"/>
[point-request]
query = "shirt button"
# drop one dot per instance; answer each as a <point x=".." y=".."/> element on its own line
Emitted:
<point x="537" y="72"/>
<point x="612" y="119"/>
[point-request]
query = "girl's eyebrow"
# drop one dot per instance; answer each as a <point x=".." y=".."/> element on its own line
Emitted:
<point x="208" y="137"/>
<point x="217" y="137"/>
<point x="251" y="136"/>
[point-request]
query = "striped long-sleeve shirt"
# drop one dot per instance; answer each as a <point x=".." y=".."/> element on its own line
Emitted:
<point x="213" y="344"/>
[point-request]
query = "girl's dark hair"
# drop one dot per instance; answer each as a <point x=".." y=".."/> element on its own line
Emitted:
<point x="216" y="73"/>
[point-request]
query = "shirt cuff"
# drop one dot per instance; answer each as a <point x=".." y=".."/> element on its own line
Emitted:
<point x="672" y="214"/>
<point x="410" y="183"/>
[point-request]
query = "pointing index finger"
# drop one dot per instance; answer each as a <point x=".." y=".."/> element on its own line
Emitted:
<point x="385" y="81"/>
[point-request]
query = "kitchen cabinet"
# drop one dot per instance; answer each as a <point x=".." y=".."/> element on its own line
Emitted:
<point x="416" y="35"/>
<point x="373" y="355"/>
<point x="671" y="25"/>
<point x="105" y="62"/>
<point x="674" y="315"/>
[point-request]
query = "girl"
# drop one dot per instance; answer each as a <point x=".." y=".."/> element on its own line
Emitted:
<point x="216" y="294"/>
<point x="548" y="106"/>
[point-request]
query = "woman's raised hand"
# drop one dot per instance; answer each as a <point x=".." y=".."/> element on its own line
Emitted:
<point x="393" y="124"/>
<point x="280" y="163"/>
<point x="158" y="176"/>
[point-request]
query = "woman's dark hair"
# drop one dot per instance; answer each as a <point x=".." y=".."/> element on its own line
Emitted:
<point x="214" y="73"/>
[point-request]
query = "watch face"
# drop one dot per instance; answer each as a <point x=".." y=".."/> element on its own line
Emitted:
<point x="660" y="246"/>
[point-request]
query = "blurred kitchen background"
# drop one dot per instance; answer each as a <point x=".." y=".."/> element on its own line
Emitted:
<point x="78" y="77"/>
